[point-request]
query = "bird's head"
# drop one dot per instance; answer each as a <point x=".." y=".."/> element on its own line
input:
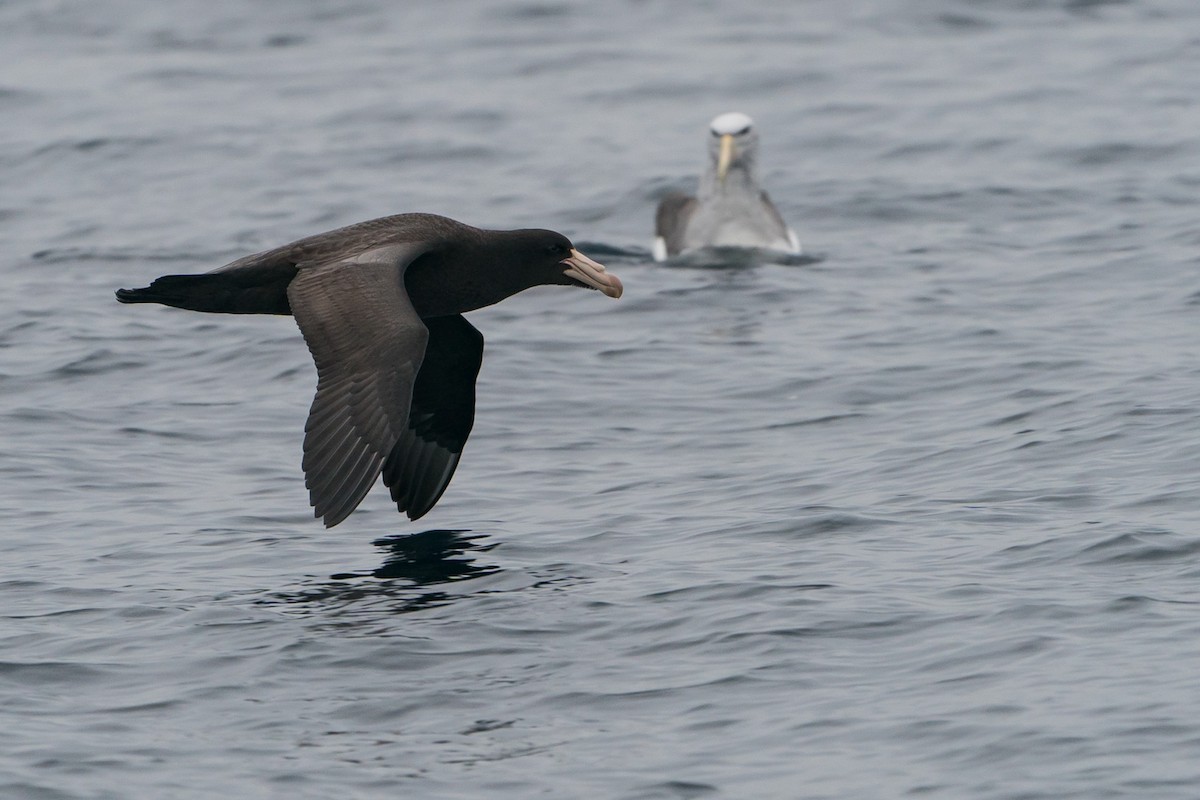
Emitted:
<point x="732" y="144"/>
<point x="554" y="260"/>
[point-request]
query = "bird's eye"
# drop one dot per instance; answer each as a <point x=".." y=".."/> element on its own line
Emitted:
<point x="556" y="249"/>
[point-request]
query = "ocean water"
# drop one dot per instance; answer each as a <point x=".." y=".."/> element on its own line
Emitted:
<point x="915" y="515"/>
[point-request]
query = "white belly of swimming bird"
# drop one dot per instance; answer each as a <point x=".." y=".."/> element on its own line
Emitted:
<point x="739" y="234"/>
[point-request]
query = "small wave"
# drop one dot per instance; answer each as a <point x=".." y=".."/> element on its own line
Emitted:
<point x="59" y="255"/>
<point x="1147" y="544"/>
<point x="96" y="362"/>
<point x="673" y="790"/>
<point x="1104" y="154"/>
<point x="44" y="673"/>
<point x="110" y="146"/>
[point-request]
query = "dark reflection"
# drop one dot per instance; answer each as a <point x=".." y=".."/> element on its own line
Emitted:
<point x="428" y="557"/>
<point x="412" y="564"/>
<point x="739" y="258"/>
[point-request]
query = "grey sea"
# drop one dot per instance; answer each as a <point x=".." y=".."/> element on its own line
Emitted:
<point x="916" y="514"/>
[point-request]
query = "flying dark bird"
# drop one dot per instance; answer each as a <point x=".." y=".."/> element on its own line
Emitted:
<point x="380" y="305"/>
<point x="729" y="210"/>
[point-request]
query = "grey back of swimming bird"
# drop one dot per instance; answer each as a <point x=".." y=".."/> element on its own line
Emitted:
<point x="730" y="209"/>
<point x="380" y="306"/>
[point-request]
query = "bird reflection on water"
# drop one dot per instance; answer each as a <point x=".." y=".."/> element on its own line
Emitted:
<point x="412" y="563"/>
<point x="433" y="556"/>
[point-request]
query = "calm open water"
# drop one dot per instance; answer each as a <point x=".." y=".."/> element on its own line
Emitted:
<point x="914" y="516"/>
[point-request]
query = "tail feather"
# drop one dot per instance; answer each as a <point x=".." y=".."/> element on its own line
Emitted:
<point x="232" y="292"/>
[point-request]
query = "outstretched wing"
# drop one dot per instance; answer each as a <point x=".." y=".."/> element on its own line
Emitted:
<point x="368" y="344"/>
<point x="443" y="410"/>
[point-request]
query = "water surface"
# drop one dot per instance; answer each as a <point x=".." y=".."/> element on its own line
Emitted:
<point x="912" y="516"/>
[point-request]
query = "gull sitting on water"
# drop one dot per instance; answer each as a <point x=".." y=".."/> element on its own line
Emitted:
<point x="730" y="210"/>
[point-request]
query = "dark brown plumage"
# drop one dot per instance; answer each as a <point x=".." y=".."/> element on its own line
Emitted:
<point x="380" y="306"/>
